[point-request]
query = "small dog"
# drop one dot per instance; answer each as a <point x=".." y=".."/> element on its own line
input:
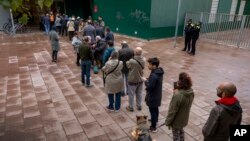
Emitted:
<point x="141" y="133"/>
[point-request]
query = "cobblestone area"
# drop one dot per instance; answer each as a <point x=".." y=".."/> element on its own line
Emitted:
<point x="41" y="100"/>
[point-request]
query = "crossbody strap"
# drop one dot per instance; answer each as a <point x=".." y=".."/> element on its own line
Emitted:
<point x="139" y="63"/>
<point x="113" y="69"/>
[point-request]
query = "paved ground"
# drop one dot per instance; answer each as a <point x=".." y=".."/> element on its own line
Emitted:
<point x="40" y="100"/>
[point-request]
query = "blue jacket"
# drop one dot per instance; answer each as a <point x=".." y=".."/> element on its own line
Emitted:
<point x="107" y="54"/>
<point x="46" y="20"/>
<point x="154" y="88"/>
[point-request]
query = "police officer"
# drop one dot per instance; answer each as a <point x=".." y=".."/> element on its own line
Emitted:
<point x="195" y="31"/>
<point x="188" y="33"/>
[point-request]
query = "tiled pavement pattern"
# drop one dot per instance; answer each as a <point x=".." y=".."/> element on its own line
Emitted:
<point x="41" y="100"/>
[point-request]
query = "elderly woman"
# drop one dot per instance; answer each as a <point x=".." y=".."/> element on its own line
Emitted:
<point x="54" y="39"/>
<point x="113" y="81"/>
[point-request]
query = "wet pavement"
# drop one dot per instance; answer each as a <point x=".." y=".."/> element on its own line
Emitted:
<point x="41" y="100"/>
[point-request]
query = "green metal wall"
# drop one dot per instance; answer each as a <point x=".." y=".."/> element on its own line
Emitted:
<point x="247" y="8"/>
<point x="163" y="15"/>
<point x="225" y="6"/>
<point x="74" y="8"/>
<point x="126" y="16"/>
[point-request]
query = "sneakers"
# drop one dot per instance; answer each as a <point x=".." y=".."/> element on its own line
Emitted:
<point x="110" y="108"/>
<point x="130" y="109"/>
<point x="152" y="129"/>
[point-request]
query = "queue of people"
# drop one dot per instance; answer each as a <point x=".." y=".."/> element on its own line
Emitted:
<point x="123" y="74"/>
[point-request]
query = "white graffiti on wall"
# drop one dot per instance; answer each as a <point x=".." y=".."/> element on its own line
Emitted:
<point x="119" y="15"/>
<point x="139" y="16"/>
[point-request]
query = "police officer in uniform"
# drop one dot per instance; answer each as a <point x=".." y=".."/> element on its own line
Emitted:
<point x="195" y="32"/>
<point x="188" y="35"/>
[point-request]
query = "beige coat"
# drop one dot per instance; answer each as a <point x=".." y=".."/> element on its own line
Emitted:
<point x="135" y="69"/>
<point x="114" y="81"/>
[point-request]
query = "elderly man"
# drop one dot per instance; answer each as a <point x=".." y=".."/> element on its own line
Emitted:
<point x="226" y="112"/>
<point x="100" y="48"/>
<point x="135" y="82"/>
<point x="89" y="30"/>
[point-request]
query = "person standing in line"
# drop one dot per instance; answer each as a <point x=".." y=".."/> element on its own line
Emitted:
<point x="99" y="47"/>
<point x="46" y="23"/>
<point x="89" y="30"/>
<point x="154" y="91"/>
<point x="188" y="35"/>
<point x="135" y="79"/>
<point x="64" y="25"/>
<point x="86" y="60"/>
<point x="114" y="82"/>
<point x="71" y="28"/>
<point x="125" y="53"/>
<point x="76" y="42"/>
<point x="180" y="105"/>
<point x="52" y="19"/>
<point x="226" y="112"/>
<point x="109" y="35"/>
<point x="195" y="36"/>
<point x="54" y="39"/>
<point x="58" y="23"/>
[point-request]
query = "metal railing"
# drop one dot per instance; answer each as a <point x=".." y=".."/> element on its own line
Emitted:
<point x="232" y="30"/>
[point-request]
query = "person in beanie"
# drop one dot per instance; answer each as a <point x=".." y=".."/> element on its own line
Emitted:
<point x="226" y="112"/>
<point x="154" y="90"/>
<point x="54" y="39"/>
<point x="179" y="107"/>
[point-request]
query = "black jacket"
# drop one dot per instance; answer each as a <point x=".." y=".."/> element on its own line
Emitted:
<point x="125" y="54"/>
<point x="154" y="88"/>
<point x="221" y="117"/>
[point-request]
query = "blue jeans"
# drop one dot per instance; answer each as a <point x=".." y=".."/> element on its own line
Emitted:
<point x="115" y="101"/>
<point x="47" y="27"/>
<point x="86" y="66"/>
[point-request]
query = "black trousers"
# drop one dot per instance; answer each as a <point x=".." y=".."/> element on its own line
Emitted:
<point x="154" y="113"/>
<point x="54" y="55"/>
<point x="64" y="30"/>
<point x="71" y="34"/>
<point x="193" y="49"/>
<point x="187" y="43"/>
<point x="78" y="58"/>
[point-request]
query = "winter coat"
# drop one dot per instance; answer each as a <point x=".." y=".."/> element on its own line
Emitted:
<point x="46" y="20"/>
<point x="53" y="36"/>
<point x="58" y="21"/>
<point x="135" y="69"/>
<point x="64" y="22"/>
<point x="85" y="52"/>
<point x="89" y="30"/>
<point x="109" y="37"/>
<point x="71" y="26"/>
<point x="221" y="117"/>
<point x="99" y="31"/>
<point x="154" y="88"/>
<point x="125" y="54"/>
<point x="76" y="42"/>
<point x="114" y="81"/>
<point x="100" y="49"/>
<point x="179" y="108"/>
<point x="107" y="54"/>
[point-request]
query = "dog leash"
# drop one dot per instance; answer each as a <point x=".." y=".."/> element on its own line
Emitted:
<point x="160" y="125"/>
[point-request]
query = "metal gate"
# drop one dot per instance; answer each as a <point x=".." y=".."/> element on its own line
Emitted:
<point x="232" y="30"/>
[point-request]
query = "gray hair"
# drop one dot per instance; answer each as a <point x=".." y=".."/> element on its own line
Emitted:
<point x="114" y="55"/>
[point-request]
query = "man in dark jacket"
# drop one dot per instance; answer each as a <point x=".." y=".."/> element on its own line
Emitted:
<point x="86" y="60"/>
<point x="195" y="31"/>
<point x="64" y="25"/>
<point x="89" y="30"/>
<point x="188" y="34"/>
<point x="226" y="112"/>
<point x="125" y="54"/>
<point x="154" y="90"/>
<point x="109" y="35"/>
<point x="100" y="48"/>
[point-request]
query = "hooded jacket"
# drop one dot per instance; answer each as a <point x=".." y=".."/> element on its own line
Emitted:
<point x="179" y="108"/>
<point x="226" y="112"/>
<point x="154" y="88"/>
